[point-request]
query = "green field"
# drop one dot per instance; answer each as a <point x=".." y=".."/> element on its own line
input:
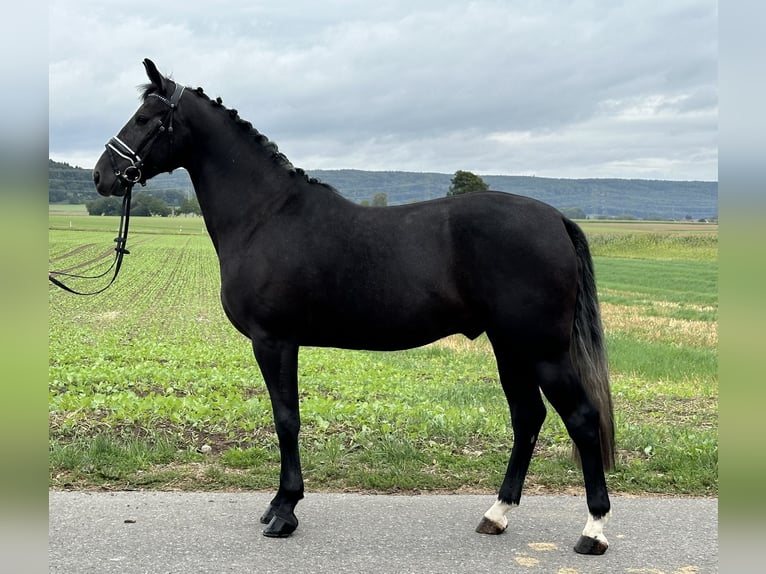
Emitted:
<point x="67" y="209"/>
<point x="146" y="373"/>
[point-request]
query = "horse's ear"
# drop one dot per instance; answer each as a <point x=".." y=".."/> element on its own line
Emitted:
<point x="154" y="74"/>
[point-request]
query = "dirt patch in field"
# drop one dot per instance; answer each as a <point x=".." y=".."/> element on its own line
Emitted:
<point x="460" y="343"/>
<point x="631" y="319"/>
<point x="635" y="321"/>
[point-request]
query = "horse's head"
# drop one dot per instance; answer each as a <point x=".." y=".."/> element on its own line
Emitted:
<point x="148" y="144"/>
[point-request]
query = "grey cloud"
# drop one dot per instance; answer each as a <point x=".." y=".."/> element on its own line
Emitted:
<point x="425" y="86"/>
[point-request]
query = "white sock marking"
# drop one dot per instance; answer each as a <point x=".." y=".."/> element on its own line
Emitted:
<point x="594" y="528"/>
<point x="497" y="513"/>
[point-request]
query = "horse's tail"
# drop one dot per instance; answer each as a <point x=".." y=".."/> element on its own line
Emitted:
<point x="588" y="349"/>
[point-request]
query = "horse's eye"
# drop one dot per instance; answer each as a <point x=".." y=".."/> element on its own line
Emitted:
<point x="141" y="120"/>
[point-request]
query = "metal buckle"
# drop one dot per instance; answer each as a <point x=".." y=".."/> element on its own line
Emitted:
<point x="132" y="178"/>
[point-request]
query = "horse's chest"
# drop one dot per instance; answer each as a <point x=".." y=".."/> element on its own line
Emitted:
<point x="257" y="301"/>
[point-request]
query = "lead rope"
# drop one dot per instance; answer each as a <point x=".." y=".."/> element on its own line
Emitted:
<point x="120" y="252"/>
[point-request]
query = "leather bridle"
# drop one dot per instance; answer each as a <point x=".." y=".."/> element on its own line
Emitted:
<point x="129" y="176"/>
<point x="116" y="147"/>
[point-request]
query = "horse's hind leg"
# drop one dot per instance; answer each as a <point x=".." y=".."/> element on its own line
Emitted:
<point x="566" y="394"/>
<point x="527" y="416"/>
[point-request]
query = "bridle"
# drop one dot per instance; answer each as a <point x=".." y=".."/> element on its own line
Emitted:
<point x="116" y="147"/>
<point x="129" y="176"/>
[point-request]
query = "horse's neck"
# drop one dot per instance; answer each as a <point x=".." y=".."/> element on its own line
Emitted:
<point x="237" y="183"/>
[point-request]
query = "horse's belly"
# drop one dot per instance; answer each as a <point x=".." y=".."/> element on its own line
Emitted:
<point x="394" y="330"/>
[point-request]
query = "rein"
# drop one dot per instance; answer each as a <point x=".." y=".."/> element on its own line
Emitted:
<point x="130" y="176"/>
<point x="120" y="252"/>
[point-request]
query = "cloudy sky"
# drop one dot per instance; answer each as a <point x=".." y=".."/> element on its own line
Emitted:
<point x="557" y="89"/>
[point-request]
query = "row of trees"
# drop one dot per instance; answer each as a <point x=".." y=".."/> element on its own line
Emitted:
<point x="142" y="205"/>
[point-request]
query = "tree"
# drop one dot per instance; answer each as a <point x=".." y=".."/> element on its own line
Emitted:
<point x="466" y="182"/>
<point x="146" y="205"/>
<point x="380" y="199"/>
<point x="190" y="206"/>
<point x="104" y="206"/>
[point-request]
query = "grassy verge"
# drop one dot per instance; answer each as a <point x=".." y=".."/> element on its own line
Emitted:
<point x="146" y="374"/>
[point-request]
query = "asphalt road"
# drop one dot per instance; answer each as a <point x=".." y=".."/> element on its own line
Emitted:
<point x="190" y="533"/>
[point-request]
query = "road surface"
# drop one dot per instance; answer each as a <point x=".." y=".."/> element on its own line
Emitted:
<point x="196" y="533"/>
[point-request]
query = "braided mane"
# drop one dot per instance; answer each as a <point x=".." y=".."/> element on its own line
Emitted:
<point x="271" y="147"/>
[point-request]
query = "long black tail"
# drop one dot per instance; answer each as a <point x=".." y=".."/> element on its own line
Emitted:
<point x="588" y="348"/>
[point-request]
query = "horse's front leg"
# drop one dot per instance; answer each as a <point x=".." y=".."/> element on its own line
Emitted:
<point x="278" y="361"/>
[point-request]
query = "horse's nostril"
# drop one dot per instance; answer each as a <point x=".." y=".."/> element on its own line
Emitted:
<point x="96" y="177"/>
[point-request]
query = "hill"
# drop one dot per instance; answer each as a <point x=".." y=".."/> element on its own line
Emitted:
<point x="635" y="198"/>
<point x="68" y="184"/>
<point x="639" y="198"/>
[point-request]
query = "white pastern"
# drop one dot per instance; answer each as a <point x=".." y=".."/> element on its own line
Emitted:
<point x="497" y="513"/>
<point x="594" y="528"/>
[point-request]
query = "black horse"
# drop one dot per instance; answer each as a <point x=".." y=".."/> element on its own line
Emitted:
<point x="301" y="265"/>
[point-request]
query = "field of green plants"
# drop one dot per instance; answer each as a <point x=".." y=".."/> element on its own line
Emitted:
<point x="144" y="375"/>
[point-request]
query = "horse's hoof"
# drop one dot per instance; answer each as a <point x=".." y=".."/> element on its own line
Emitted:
<point x="268" y="515"/>
<point x="280" y="527"/>
<point x="588" y="545"/>
<point x="486" y="526"/>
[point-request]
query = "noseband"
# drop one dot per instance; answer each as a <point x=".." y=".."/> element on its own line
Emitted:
<point x="130" y="176"/>
<point x="116" y="147"/>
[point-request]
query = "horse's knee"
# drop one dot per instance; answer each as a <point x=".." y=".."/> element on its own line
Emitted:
<point x="583" y="424"/>
<point x="287" y="424"/>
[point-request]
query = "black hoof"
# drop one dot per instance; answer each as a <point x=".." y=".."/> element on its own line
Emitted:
<point x="268" y="515"/>
<point x="588" y="545"/>
<point x="280" y="527"/>
<point x="486" y="526"/>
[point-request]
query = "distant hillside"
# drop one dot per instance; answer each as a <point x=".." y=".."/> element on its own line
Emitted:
<point x="639" y="198"/>
<point x="67" y="184"/>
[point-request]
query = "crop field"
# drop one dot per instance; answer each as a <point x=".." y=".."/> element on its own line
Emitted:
<point x="145" y="374"/>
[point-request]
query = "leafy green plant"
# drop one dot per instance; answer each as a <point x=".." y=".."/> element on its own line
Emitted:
<point x="145" y="374"/>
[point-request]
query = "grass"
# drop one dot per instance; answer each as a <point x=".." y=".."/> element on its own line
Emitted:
<point x="144" y="375"/>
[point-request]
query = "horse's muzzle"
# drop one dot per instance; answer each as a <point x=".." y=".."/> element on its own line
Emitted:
<point x="106" y="182"/>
